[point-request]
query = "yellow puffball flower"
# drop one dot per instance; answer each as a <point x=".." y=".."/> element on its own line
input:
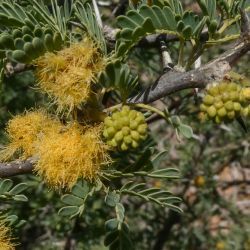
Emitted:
<point x="5" y="238"/>
<point x="23" y="132"/>
<point x="72" y="153"/>
<point x="245" y="92"/>
<point x="220" y="245"/>
<point x="67" y="76"/>
<point x="199" y="181"/>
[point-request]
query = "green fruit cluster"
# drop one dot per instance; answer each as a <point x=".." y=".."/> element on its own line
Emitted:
<point x="125" y="129"/>
<point x="29" y="42"/>
<point x="225" y="102"/>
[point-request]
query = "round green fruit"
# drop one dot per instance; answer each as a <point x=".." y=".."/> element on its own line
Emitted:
<point x="208" y="100"/>
<point x="222" y="112"/>
<point x="211" y="111"/>
<point x="214" y="90"/>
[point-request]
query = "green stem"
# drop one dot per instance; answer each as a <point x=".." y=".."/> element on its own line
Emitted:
<point x="229" y="38"/>
<point x="181" y="52"/>
<point x="195" y="57"/>
<point x="150" y="108"/>
<point x="140" y="105"/>
<point x="229" y="22"/>
<point x="190" y="59"/>
<point x="111" y="109"/>
<point x="74" y="114"/>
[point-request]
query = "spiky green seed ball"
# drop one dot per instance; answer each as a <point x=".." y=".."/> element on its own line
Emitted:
<point x="125" y="129"/>
<point x="226" y="101"/>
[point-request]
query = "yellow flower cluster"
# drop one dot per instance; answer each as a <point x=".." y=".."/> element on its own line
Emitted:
<point x="69" y="154"/>
<point x="5" y="239"/>
<point x="64" y="152"/>
<point x="68" y="75"/>
<point x="23" y="131"/>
